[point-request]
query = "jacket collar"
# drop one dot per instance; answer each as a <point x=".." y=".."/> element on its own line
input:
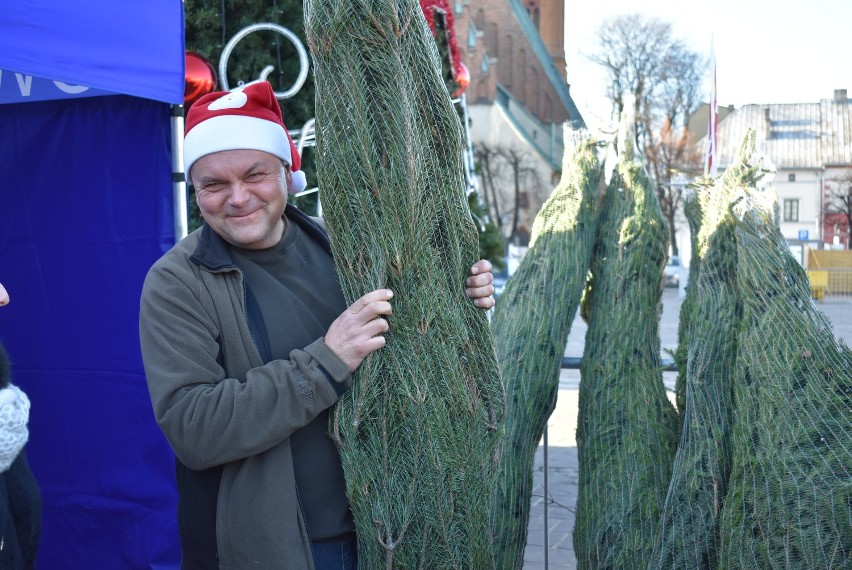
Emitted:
<point x="212" y="251"/>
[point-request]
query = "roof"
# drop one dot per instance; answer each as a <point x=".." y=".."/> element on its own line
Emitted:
<point x="794" y="135"/>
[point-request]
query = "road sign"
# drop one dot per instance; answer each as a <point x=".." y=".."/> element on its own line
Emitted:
<point x="803" y="235"/>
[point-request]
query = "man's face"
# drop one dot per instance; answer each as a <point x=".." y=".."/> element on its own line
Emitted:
<point x="242" y="195"/>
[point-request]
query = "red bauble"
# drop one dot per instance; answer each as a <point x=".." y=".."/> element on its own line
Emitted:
<point x="462" y="79"/>
<point x="200" y="78"/>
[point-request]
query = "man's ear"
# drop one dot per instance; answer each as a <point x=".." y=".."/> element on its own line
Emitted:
<point x="286" y="176"/>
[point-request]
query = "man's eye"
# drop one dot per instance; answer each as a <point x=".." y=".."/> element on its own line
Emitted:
<point x="256" y="176"/>
<point x="212" y="187"/>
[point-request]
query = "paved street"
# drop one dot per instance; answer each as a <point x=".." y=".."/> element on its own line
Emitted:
<point x="562" y="468"/>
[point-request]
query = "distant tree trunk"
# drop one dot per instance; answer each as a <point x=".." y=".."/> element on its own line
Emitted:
<point x="516" y="179"/>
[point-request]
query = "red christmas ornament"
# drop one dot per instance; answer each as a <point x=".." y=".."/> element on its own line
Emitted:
<point x="462" y="78"/>
<point x="200" y="78"/>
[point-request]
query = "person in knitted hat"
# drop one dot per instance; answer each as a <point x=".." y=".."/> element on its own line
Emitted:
<point x="247" y="342"/>
<point x="20" y="497"/>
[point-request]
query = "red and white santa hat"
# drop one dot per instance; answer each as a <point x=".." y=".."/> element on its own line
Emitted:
<point x="247" y="118"/>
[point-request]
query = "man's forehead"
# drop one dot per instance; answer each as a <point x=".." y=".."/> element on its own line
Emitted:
<point x="235" y="160"/>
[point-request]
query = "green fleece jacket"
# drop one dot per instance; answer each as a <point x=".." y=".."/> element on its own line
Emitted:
<point x="218" y="404"/>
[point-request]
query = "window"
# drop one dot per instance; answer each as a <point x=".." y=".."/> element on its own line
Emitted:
<point x="485" y="65"/>
<point x="479" y="22"/>
<point x="791" y="210"/>
<point x="471" y="36"/>
<point x="791" y="177"/>
<point x="506" y="60"/>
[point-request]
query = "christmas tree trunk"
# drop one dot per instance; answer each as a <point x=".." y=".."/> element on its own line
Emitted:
<point x="690" y="537"/>
<point x="419" y="431"/>
<point x="789" y="502"/>
<point x="531" y="324"/>
<point x="626" y="426"/>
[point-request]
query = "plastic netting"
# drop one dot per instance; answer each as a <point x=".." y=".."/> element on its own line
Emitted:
<point x="789" y="502"/>
<point x="626" y="426"/>
<point x="419" y="431"/>
<point x="761" y="478"/>
<point x="689" y="535"/>
<point x="692" y="213"/>
<point x="531" y="324"/>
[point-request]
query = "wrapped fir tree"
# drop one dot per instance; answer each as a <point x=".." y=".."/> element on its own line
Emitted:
<point x="531" y="324"/>
<point x="419" y="431"/>
<point x="789" y="501"/>
<point x="692" y="212"/>
<point x="689" y="536"/>
<point x="626" y="426"/>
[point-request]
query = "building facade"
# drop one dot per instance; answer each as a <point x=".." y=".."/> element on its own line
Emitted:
<point x="518" y="99"/>
<point x="810" y="146"/>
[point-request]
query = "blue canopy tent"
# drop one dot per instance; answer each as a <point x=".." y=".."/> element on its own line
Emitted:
<point x="87" y="90"/>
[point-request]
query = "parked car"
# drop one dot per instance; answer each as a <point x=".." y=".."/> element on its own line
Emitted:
<point x="671" y="274"/>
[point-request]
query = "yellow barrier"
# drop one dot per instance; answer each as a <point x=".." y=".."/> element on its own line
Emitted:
<point x="830" y="272"/>
<point x="819" y="283"/>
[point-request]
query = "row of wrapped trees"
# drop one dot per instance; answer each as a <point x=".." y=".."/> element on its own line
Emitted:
<point x="438" y="434"/>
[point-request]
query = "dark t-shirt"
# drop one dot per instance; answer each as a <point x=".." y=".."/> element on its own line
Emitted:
<point x="297" y="292"/>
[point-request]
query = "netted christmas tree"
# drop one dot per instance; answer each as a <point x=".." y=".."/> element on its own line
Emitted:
<point x="689" y="537"/>
<point x="692" y="212"/>
<point x="626" y="426"/>
<point x="419" y="430"/>
<point x="789" y="502"/>
<point x="531" y="324"/>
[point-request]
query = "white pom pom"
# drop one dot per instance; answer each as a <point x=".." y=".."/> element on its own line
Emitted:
<point x="299" y="182"/>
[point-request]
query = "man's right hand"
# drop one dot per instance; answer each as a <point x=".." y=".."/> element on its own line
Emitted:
<point x="358" y="331"/>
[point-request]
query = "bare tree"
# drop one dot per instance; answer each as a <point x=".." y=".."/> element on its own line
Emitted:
<point x="490" y="167"/>
<point x="839" y="206"/>
<point x="669" y="158"/>
<point x="643" y="59"/>
<point x="510" y="183"/>
<point x="525" y="183"/>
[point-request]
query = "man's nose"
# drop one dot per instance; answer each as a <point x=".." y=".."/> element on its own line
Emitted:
<point x="239" y="194"/>
<point x="4" y="296"/>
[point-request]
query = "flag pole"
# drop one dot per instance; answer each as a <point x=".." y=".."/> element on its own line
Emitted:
<point x="710" y="162"/>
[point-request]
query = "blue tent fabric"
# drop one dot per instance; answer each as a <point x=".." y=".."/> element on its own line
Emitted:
<point x="86" y="209"/>
<point x="132" y="48"/>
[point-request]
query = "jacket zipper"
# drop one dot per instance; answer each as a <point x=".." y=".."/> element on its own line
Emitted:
<point x="245" y="296"/>
<point x="304" y="518"/>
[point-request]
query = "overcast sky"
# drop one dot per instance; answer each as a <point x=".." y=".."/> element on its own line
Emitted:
<point x="767" y="51"/>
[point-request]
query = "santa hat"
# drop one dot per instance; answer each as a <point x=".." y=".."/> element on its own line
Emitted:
<point x="248" y="118"/>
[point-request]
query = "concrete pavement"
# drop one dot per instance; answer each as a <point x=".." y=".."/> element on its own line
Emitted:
<point x="561" y="458"/>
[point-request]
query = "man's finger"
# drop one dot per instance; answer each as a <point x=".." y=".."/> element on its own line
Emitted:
<point x="378" y="295"/>
<point x="480" y="266"/>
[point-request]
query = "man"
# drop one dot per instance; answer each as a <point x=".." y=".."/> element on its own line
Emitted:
<point x="247" y="342"/>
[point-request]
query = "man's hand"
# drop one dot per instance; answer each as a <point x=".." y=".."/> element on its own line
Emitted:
<point x="358" y="331"/>
<point x="479" y="287"/>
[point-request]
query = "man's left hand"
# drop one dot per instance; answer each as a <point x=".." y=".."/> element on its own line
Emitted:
<point x="478" y="285"/>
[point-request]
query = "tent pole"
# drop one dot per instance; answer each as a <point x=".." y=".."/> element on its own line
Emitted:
<point x="179" y="194"/>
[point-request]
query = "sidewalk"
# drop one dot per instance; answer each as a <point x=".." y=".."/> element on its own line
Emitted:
<point x="562" y="466"/>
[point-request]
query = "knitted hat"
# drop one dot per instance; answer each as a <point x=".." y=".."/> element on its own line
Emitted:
<point x="247" y="118"/>
<point x="14" y="415"/>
